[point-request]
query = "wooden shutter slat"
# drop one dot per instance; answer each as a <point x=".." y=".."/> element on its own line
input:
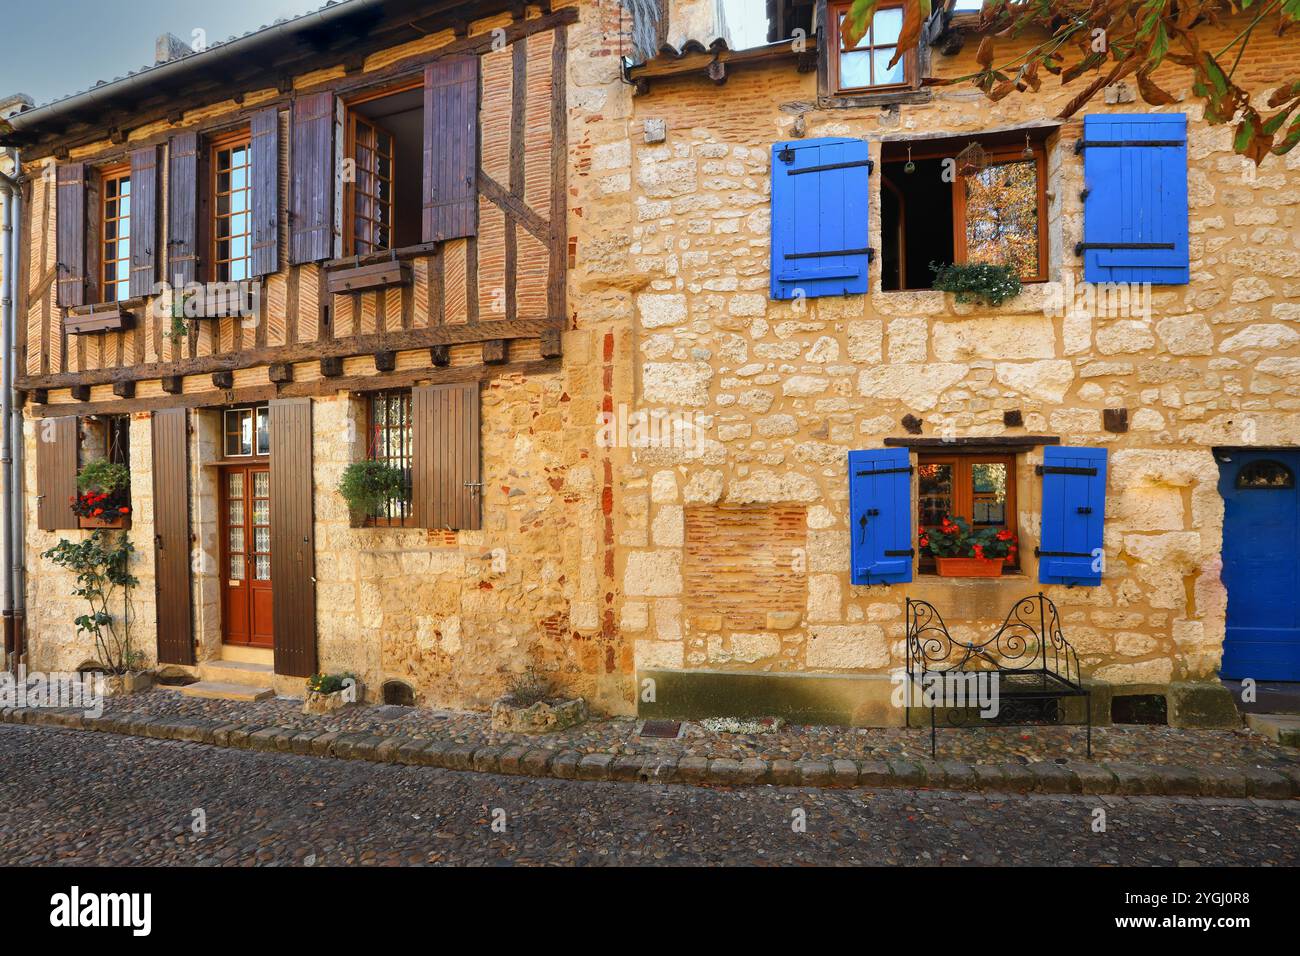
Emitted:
<point x="265" y="149"/>
<point x="172" y="536"/>
<point x="293" y="608"/>
<point x="144" y="220"/>
<point x="56" y="473"/>
<point x="445" y="457"/>
<point x="183" y="209"/>
<point x="312" y="182"/>
<point x="451" y="148"/>
<point x="70" y="231"/>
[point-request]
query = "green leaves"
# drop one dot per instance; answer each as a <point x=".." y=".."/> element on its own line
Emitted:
<point x="367" y="485"/>
<point x="857" y="21"/>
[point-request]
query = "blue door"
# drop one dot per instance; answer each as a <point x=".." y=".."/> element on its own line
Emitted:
<point x="1261" y="564"/>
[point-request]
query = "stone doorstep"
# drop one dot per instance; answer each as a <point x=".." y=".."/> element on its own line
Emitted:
<point x="1048" y="777"/>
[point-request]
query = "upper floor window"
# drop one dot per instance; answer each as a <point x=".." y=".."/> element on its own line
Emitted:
<point x="232" y="241"/>
<point x="385" y="143"/>
<point x="115" y="232"/>
<point x="864" y="66"/>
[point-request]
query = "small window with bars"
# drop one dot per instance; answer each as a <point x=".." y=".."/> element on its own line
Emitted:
<point x="390" y="439"/>
<point x="115" y="238"/>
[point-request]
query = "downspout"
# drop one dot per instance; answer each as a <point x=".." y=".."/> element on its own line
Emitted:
<point x="11" y="449"/>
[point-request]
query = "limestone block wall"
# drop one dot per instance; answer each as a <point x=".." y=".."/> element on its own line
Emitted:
<point x="783" y="390"/>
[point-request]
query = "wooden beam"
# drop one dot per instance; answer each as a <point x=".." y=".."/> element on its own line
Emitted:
<point x="440" y="355"/>
<point x="494" y="351"/>
<point x="80" y="392"/>
<point x="385" y="361"/>
<point x="124" y="389"/>
<point x="223" y="379"/>
<point x="331" y="366"/>
<point x="397" y="341"/>
<point x="551" y="343"/>
<point x="280" y="373"/>
<point x="173" y="384"/>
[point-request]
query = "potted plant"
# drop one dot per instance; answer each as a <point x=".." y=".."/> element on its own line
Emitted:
<point x="329" y="692"/>
<point x="962" y="552"/>
<point x="367" y="485"/>
<point x="103" y="495"/>
<point x="533" y="706"/>
<point x="977" y="282"/>
<point x="102" y="565"/>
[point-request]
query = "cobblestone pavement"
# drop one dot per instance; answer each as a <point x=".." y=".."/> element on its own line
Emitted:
<point x="72" y="797"/>
<point x="1151" y="745"/>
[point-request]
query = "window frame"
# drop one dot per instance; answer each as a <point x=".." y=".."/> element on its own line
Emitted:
<point x="232" y="140"/>
<point x="350" y="192"/>
<point x="406" y="518"/>
<point x="835" y="10"/>
<point x="963" y="497"/>
<point x="257" y="410"/>
<point x="112" y="173"/>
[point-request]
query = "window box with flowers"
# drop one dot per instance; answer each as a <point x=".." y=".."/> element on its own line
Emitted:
<point x="962" y="552"/>
<point x="103" y="495"/>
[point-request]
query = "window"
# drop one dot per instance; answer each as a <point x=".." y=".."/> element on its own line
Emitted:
<point x="115" y="232"/>
<point x="247" y="432"/>
<point x="385" y="143"/>
<point x="865" y="66"/>
<point x="232" y="241"/>
<point x="105" y="436"/>
<point x="981" y="489"/>
<point x="938" y="204"/>
<point x="390" y="439"/>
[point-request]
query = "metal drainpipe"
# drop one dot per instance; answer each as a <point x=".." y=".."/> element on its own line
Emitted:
<point x="11" y="450"/>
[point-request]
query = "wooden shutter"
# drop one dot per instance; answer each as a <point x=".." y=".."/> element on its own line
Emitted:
<point x="819" y="218"/>
<point x="1074" y="512"/>
<point x="1135" y="214"/>
<point x="880" y="516"/>
<point x="292" y="538"/>
<point x="57" y="440"/>
<point x="71" y="233"/>
<point x="451" y="145"/>
<point x="183" y="209"/>
<point x="171" y="507"/>
<point x="312" y="184"/>
<point x="266" y="191"/>
<point x="144" y="220"/>
<point x="446" y="488"/>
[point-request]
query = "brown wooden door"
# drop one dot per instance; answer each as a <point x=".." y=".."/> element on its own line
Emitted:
<point x="246" y="555"/>
<point x="171" y="495"/>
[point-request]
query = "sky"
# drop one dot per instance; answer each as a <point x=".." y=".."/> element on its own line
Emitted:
<point x="108" y="38"/>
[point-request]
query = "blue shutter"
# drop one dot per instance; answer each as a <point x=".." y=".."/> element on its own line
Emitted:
<point x="1074" y="514"/>
<point x="819" y="217"/>
<point x="880" y="516"/>
<point x="1137" y="194"/>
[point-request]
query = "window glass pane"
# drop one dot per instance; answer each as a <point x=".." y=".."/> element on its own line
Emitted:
<point x="263" y="431"/>
<point x="237" y="539"/>
<point x="237" y="511"/>
<point x="1002" y="216"/>
<point x="863" y="43"/>
<point x="262" y="567"/>
<point x="262" y="540"/>
<point x="883" y="74"/>
<point x="934" y="493"/>
<point x="886" y="26"/>
<point x="236" y="489"/>
<point x="237" y="567"/>
<point x="262" y="484"/>
<point x="855" y="70"/>
<point x="239" y="437"/>
<point x="988" y="493"/>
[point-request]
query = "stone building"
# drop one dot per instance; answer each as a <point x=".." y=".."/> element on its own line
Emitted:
<point x="627" y="433"/>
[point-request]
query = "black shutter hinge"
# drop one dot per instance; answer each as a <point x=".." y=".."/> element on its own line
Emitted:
<point x="1061" y="554"/>
<point x="901" y="554"/>
<point x="885" y="471"/>
<point x="1060" y="470"/>
<point x="1081" y="247"/>
<point x="1081" y="144"/>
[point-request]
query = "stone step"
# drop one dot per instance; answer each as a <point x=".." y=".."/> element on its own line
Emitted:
<point x="1284" y="728"/>
<point x="217" y="690"/>
<point x="238" y="672"/>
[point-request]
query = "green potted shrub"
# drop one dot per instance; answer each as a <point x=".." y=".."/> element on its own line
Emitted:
<point x="977" y="282"/>
<point x="329" y="692"/>
<point x="103" y="495"/>
<point x="963" y="552"/>
<point x="367" y="485"/>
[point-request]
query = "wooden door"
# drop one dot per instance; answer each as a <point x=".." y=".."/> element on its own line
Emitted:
<point x="246" y="555"/>
<point x="171" y="495"/>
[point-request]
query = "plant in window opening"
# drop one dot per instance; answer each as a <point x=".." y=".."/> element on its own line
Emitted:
<point x="954" y="538"/>
<point x="367" y="485"/>
<point x="103" y="498"/>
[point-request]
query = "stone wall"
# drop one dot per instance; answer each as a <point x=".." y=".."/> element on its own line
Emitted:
<point x="783" y="390"/>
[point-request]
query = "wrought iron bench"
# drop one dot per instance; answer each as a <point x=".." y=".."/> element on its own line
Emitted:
<point x="1027" y="666"/>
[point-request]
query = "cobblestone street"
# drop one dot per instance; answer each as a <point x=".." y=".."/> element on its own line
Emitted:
<point x="75" y="797"/>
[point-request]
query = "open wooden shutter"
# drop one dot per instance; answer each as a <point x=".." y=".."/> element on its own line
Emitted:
<point x="880" y="516"/>
<point x="171" y="507"/>
<point x="1135" y="214"/>
<point x="144" y="220"/>
<point x="71" y="233"/>
<point x="819" y="218"/>
<point x="451" y="145"/>
<point x="265" y="131"/>
<point x="183" y="209"/>
<point x="57" y="440"/>
<point x="446" y="488"/>
<point x="292" y="538"/>
<point x="312" y="184"/>
<point x="1071" y="543"/>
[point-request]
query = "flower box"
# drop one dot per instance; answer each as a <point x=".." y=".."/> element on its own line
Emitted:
<point x="117" y="523"/>
<point x="969" y="567"/>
